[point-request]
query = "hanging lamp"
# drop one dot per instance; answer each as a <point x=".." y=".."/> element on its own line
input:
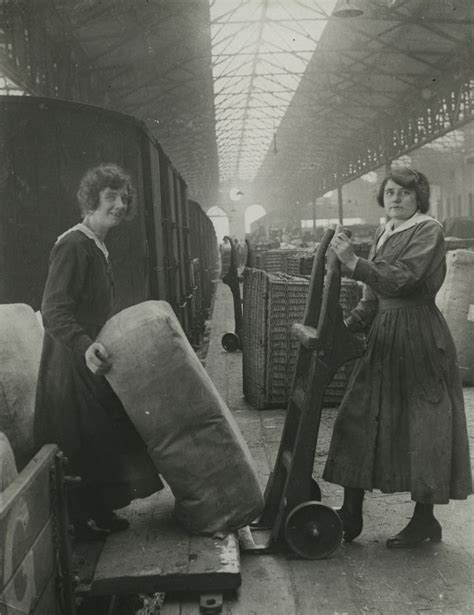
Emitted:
<point x="349" y="9"/>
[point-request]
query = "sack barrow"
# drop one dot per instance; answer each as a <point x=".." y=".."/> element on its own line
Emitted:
<point x="293" y="514"/>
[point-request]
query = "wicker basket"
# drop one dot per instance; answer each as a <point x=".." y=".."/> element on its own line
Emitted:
<point x="254" y="335"/>
<point x="272" y="303"/>
<point x="275" y="261"/>
<point x="293" y="266"/>
<point x="297" y="264"/>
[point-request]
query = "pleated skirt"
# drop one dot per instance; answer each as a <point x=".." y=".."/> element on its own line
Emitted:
<point x="401" y="426"/>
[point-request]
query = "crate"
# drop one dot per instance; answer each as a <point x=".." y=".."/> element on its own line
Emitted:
<point x="272" y="303"/>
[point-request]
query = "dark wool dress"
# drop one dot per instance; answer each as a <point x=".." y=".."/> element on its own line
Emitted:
<point x="75" y="408"/>
<point x="401" y="425"/>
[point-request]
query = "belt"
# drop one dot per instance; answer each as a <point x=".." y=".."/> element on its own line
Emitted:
<point x="393" y="303"/>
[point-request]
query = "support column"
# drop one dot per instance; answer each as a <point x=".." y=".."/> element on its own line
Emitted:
<point x="388" y="160"/>
<point x="340" y="211"/>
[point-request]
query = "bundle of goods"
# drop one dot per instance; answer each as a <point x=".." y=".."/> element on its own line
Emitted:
<point x="21" y="340"/>
<point x="190" y="433"/>
<point x="272" y="303"/>
<point x="457" y="243"/>
<point x="8" y="471"/>
<point x="455" y="299"/>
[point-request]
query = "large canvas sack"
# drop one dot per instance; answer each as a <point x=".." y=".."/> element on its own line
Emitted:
<point x="21" y="340"/>
<point x="8" y="471"/>
<point x="455" y="299"/>
<point x="190" y="433"/>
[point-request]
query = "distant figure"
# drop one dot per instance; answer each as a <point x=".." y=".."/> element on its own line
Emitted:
<point x="401" y="425"/>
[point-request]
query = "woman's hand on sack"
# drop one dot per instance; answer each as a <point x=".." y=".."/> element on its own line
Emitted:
<point x="342" y="246"/>
<point x="97" y="359"/>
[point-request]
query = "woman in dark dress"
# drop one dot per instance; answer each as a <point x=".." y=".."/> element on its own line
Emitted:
<point x="401" y="425"/>
<point x="75" y="406"/>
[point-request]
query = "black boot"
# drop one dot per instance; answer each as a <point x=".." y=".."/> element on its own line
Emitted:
<point x="351" y="512"/>
<point x="422" y="526"/>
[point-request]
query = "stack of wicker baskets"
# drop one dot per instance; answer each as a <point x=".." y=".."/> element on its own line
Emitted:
<point x="277" y="260"/>
<point x="272" y="303"/>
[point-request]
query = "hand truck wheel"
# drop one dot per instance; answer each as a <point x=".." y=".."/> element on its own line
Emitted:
<point x="313" y="530"/>
<point x="230" y="342"/>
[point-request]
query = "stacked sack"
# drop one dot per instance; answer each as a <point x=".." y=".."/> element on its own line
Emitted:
<point x="455" y="299"/>
<point x="21" y="340"/>
<point x="190" y="433"/>
<point x="8" y="471"/>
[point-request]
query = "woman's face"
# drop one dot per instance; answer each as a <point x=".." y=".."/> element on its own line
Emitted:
<point x="399" y="202"/>
<point x="111" y="209"/>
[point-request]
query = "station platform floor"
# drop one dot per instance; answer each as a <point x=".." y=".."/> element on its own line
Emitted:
<point x="360" y="577"/>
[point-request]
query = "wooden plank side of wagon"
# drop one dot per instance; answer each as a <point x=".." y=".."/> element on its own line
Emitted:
<point x="35" y="573"/>
<point x="26" y="535"/>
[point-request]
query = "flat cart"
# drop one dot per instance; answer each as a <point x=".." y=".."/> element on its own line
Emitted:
<point x="156" y="555"/>
<point x="293" y="515"/>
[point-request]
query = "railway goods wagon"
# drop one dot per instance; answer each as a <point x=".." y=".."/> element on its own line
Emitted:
<point x="46" y="145"/>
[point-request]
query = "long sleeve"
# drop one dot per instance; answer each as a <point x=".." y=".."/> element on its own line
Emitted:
<point x="401" y="276"/>
<point x="63" y="291"/>
<point x="363" y="314"/>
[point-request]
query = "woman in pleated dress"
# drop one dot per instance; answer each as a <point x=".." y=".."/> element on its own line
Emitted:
<point x="401" y="426"/>
<point x="75" y="406"/>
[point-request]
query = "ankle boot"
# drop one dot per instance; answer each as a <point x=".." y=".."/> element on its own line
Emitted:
<point x="421" y="527"/>
<point x="351" y="513"/>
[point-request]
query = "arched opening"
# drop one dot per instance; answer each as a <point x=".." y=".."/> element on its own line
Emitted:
<point x="253" y="213"/>
<point x="220" y="220"/>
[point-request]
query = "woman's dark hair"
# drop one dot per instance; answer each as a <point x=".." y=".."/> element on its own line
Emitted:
<point x="101" y="177"/>
<point x="414" y="180"/>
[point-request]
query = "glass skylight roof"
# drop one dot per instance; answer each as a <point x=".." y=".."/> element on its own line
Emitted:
<point x="260" y="50"/>
<point x="454" y="140"/>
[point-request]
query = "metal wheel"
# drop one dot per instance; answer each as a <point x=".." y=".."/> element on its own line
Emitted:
<point x="230" y="342"/>
<point x="313" y="530"/>
<point x="315" y="491"/>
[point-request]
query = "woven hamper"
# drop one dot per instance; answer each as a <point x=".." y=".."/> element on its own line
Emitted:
<point x="455" y="299"/>
<point x="293" y="264"/>
<point x="277" y="260"/>
<point x="296" y="264"/>
<point x="272" y="303"/>
<point x="254" y="335"/>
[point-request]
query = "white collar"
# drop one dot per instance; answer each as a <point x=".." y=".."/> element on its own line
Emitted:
<point x="88" y="233"/>
<point x="417" y="218"/>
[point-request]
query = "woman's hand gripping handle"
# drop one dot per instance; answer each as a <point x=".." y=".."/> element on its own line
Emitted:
<point x="342" y="246"/>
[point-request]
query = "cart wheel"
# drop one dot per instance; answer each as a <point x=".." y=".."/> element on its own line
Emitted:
<point x="313" y="530"/>
<point x="315" y="491"/>
<point x="230" y="342"/>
